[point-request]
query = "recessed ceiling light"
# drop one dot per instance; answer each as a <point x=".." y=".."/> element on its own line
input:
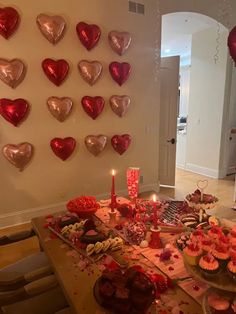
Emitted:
<point x="167" y="50"/>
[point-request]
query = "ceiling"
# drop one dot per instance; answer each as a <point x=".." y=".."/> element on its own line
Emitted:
<point x="177" y="30"/>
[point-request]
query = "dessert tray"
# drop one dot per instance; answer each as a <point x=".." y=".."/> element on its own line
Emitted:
<point x="221" y="281"/>
<point x="215" y="301"/>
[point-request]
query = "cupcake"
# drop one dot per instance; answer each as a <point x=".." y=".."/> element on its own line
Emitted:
<point x="215" y="232"/>
<point x="197" y="235"/>
<point x="192" y="253"/>
<point x="221" y="253"/>
<point x="209" y="266"/>
<point x="232" y="236"/>
<point x="231" y="268"/>
<point x="219" y="304"/>
<point x="206" y="244"/>
<point x="223" y="240"/>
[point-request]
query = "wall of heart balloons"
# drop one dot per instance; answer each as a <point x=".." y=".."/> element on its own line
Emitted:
<point x="77" y="91"/>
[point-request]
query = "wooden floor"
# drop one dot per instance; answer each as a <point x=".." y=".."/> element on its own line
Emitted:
<point x="185" y="183"/>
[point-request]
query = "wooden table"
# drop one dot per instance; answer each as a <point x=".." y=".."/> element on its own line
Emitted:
<point x="78" y="285"/>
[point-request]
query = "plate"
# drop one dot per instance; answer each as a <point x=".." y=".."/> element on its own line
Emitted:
<point x="205" y="306"/>
<point x="101" y="302"/>
<point x="222" y="282"/>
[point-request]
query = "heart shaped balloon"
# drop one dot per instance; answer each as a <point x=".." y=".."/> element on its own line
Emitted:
<point x="232" y="44"/>
<point x="121" y="143"/>
<point x="95" y="143"/>
<point x="89" y="34"/>
<point x="12" y="72"/>
<point x="55" y="70"/>
<point x="63" y="147"/>
<point x="120" y="71"/>
<point x="9" y="21"/>
<point x="60" y="108"/>
<point x="14" y="111"/>
<point x="19" y="155"/>
<point x="90" y="71"/>
<point x="119" y="41"/>
<point x="52" y="27"/>
<point x="93" y="106"/>
<point x="120" y="104"/>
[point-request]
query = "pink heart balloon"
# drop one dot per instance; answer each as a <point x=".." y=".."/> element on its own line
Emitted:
<point x="121" y="143"/>
<point x="95" y="143"/>
<point x="52" y="27"/>
<point x="90" y="71"/>
<point x="120" y="104"/>
<point x="18" y="155"/>
<point x="12" y="72"/>
<point x="60" y="108"/>
<point x="119" y="41"/>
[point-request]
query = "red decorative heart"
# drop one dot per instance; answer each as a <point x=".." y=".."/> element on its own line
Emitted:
<point x="232" y="44"/>
<point x="120" y="71"/>
<point x="121" y="143"/>
<point x="56" y="70"/>
<point x="93" y="106"/>
<point x="14" y="111"/>
<point x="63" y="147"/>
<point x="9" y="21"/>
<point x="89" y="34"/>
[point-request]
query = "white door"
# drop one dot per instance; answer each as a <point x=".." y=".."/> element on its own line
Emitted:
<point x="232" y="153"/>
<point x="168" y="119"/>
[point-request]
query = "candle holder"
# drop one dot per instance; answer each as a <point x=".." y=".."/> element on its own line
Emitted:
<point x="113" y="204"/>
<point x="112" y="218"/>
<point x="155" y="241"/>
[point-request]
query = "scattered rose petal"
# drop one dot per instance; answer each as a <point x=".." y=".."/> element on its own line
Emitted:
<point x="176" y="256"/>
<point x="170" y="268"/>
<point x="196" y="288"/>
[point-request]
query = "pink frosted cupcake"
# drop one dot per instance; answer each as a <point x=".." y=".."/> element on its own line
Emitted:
<point x="197" y="235"/>
<point x="221" y="253"/>
<point x="215" y="232"/>
<point x="207" y="244"/>
<point x="209" y="266"/>
<point x="231" y="268"/>
<point x="232" y="236"/>
<point x="223" y="240"/>
<point x="192" y="253"/>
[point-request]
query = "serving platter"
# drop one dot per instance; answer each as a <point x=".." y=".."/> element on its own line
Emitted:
<point x="221" y="281"/>
<point x="206" y="307"/>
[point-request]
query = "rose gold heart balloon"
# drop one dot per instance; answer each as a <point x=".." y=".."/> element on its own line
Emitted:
<point x="95" y="143"/>
<point x="12" y="72"/>
<point x="90" y="71"/>
<point x="120" y="104"/>
<point x="52" y="27"/>
<point x="18" y="155"/>
<point x="60" y="108"/>
<point x="119" y="41"/>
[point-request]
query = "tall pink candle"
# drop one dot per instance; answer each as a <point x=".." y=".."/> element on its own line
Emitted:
<point x="155" y="218"/>
<point x="113" y="183"/>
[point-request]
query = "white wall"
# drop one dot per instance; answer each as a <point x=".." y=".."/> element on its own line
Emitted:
<point x="47" y="179"/>
<point x="184" y="90"/>
<point x="206" y="103"/>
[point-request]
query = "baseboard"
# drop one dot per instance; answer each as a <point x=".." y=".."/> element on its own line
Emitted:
<point x="212" y="173"/>
<point x="24" y="216"/>
<point x="181" y="166"/>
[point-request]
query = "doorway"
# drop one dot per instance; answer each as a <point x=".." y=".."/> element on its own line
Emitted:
<point x="201" y="44"/>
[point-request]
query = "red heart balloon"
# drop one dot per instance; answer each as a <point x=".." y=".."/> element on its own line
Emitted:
<point x="14" y="111"/>
<point x="93" y="106"/>
<point x="63" y="147"/>
<point x="56" y="70"/>
<point x="120" y="71"/>
<point x="89" y="34"/>
<point x="121" y="143"/>
<point x="232" y="44"/>
<point x="9" y="21"/>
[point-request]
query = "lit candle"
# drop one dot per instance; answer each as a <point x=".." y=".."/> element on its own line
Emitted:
<point x="113" y="182"/>
<point x="155" y="220"/>
<point x="113" y="195"/>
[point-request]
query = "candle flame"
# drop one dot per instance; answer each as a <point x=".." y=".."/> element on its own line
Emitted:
<point x="154" y="198"/>
<point x="113" y="172"/>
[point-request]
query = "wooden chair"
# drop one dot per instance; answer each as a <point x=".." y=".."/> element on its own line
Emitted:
<point x="48" y="302"/>
<point x="26" y="270"/>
